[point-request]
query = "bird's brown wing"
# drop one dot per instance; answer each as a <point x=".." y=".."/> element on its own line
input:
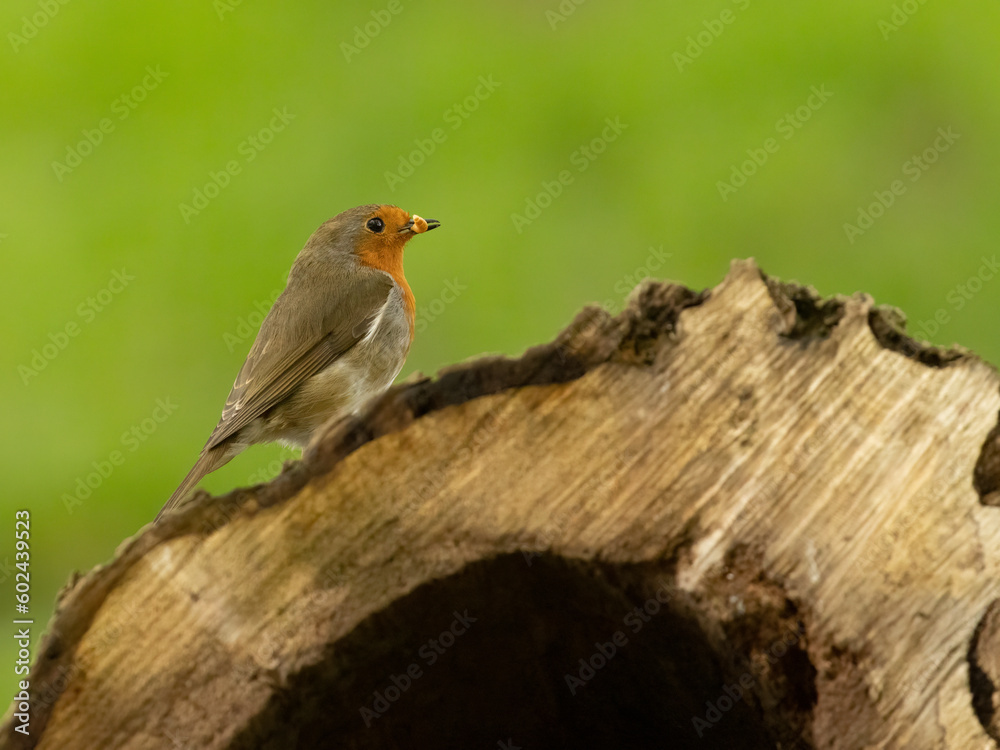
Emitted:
<point x="295" y="343"/>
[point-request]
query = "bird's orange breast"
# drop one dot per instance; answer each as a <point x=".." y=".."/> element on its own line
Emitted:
<point x="390" y="259"/>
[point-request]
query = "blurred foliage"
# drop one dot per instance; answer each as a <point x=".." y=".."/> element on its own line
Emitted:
<point x="115" y="114"/>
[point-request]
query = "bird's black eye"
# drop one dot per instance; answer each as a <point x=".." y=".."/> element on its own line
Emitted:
<point x="376" y="225"/>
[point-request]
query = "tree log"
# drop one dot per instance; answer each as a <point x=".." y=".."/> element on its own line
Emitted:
<point x="743" y="518"/>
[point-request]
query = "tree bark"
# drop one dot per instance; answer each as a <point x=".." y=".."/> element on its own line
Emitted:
<point x="743" y="518"/>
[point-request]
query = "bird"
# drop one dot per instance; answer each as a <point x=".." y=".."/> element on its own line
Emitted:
<point x="337" y="336"/>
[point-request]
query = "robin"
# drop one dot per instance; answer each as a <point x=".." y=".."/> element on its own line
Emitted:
<point x="338" y="335"/>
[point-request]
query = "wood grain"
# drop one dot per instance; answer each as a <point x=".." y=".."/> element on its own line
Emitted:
<point x="761" y="508"/>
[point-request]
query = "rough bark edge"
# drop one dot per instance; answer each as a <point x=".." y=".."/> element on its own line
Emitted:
<point x="983" y="677"/>
<point x="593" y="338"/>
<point x="986" y="478"/>
<point x="888" y="324"/>
<point x="809" y="315"/>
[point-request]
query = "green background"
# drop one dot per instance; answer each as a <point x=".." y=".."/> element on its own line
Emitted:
<point x="169" y="334"/>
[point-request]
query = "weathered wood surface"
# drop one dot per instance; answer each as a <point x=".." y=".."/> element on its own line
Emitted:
<point x="753" y="514"/>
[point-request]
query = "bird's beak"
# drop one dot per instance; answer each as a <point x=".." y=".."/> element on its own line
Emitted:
<point x="418" y="225"/>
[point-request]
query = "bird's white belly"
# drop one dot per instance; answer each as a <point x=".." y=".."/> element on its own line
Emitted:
<point x="363" y="372"/>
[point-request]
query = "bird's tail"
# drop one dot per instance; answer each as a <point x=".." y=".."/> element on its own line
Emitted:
<point x="207" y="462"/>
